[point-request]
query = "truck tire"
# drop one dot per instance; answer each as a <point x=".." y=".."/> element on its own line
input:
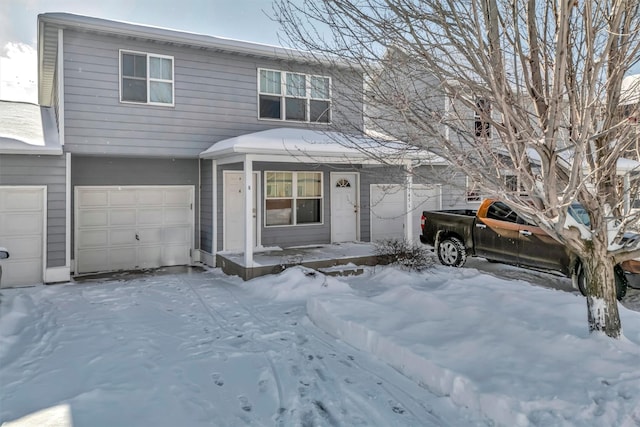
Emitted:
<point x="451" y="252"/>
<point x="621" y="281"/>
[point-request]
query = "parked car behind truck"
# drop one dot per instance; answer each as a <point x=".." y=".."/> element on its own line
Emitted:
<point x="497" y="233"/>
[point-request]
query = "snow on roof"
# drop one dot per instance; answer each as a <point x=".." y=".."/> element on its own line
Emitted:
<point x="630" y="90"/>
<point x="27" y="129"/>
<point x="309" y="145"/>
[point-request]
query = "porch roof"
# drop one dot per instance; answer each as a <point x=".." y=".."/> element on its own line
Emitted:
<point x="313" y="146"/>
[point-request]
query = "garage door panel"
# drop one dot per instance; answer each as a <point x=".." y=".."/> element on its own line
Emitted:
<point x="150" y="235"/>
<point x="93" y="198"/>
<point x="120" y="258"/>
<point x="119" y="217"/>
<point x="154" y="215"/>
<point x="176" y="215"/>
<point x="119" y="237"/>
<point x="149" y="216"/>
<point x="176" y="234"/>
<point x="149" y="256"/>
<point x="176" y="197"/>
<point x="94" y="218"/>
<point x="150" y="197"/>
<point x="175" y="254"/>
<point x="23" y="247"/>
<point x="92" y="238"/>
<point x="21" y="273"/>
<point x="92" y="259"/>
<point x="122" y="197"/>
<point x="21" y="200"/>
<point x="18" y="224"/>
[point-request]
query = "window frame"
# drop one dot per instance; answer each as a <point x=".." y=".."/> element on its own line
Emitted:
<point x="283" y="96"/>
<point x="294" y="198"/>
<point x="472" y="193"/>
<point x="482" y="118"/>
<point x="148" y="78"/>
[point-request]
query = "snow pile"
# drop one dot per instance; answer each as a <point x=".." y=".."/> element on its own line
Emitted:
<point x="297" y="283"/>
<point x="514" y="353"/>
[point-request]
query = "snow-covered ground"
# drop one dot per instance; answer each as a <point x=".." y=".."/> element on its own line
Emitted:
<point x="445" y="347"/>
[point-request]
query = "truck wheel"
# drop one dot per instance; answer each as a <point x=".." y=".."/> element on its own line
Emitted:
<point x="451" y="252"/>
<point x="621" y="281"/>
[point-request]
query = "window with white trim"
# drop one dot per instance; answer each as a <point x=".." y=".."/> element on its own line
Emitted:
<point x="473" y="192"/>
<point x="482" y="117"/>
<point x="293" y="96"/>
<point x="146" y="78"/>
<point x="293" y="198"/>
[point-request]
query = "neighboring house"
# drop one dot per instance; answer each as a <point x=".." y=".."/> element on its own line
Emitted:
<point x="163" y="137"/>
<point x="33" y="197"/>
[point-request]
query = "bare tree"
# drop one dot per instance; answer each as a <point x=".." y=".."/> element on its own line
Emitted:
<point x="501" y="89"/>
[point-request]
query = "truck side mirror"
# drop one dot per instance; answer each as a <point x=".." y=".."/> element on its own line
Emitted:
<point x="4" y="254"/>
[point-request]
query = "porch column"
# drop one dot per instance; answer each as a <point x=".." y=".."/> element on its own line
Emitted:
<point x="214" y="210"/>
<point x="408" y="228"/>
<point x="627" y="193"/>
<point x="248" y="212"/>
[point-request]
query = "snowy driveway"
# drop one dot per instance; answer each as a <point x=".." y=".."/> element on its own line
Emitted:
<point x="195" y="349"/>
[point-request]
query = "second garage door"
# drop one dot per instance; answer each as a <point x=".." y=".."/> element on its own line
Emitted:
<point x="388" y="209"/>
<point x="130" y="227"/>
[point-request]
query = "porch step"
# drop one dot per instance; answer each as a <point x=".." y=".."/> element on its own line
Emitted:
<point x="341" y="270"/>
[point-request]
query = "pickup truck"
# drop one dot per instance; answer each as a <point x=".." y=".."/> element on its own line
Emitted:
<point x="497" y="233"/>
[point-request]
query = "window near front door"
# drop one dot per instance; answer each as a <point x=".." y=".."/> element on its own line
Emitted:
<point x="293" y="96"/>
<point x="293" y="198"/>
<point x="146" y="78"/>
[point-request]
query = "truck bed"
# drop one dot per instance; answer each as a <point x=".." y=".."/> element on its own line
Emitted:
<point x="455" y="221"/>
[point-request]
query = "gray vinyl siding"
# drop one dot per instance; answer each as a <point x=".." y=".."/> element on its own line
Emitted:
<point x="206" y="205"/>
<point x="96" y="171"/>
<point x="49" y="171"/>
<point x="453" y="185"/>
<point x="215" y="98"/>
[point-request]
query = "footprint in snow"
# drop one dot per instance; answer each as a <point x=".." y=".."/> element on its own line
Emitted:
<point x="244" y="403"/>
<point x="217" y="380"/>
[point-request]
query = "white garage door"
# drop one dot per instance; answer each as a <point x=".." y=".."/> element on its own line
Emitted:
<point x="128" y="228"/>
<point x="22" y="222"/>
<point x="388" y="209"/>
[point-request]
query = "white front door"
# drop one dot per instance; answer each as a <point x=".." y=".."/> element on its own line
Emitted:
<point x="234" y="210"/>
<point x="344" y="207"/>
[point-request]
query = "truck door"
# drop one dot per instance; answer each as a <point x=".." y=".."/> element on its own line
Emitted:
<point x="496" y="235"/>
<point x="538" y="249"/>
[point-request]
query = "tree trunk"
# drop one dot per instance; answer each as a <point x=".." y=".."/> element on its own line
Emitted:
<point x="602" y="304"/>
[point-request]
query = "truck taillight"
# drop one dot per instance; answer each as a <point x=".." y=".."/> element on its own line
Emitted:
<point x="423" y="219"/>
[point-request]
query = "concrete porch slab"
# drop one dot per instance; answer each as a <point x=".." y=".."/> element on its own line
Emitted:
<point x="318" y="257"/>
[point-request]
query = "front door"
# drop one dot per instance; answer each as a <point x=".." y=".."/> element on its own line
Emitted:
<point x="344" y="207"/>
<point x="234" y="210"/>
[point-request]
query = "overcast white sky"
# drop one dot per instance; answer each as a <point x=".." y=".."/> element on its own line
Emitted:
<point x="238" y="19"/>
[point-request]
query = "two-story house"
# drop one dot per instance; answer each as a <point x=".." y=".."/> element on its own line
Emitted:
<point x="164" y="137"/>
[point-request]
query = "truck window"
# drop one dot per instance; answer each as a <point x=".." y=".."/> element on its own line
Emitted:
<point x="501" y="212"/>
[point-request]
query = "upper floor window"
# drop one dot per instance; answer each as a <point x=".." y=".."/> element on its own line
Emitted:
<point x="146" y="78"/>
<point x="482" y="116"/>
<point x="294" y="96"/>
